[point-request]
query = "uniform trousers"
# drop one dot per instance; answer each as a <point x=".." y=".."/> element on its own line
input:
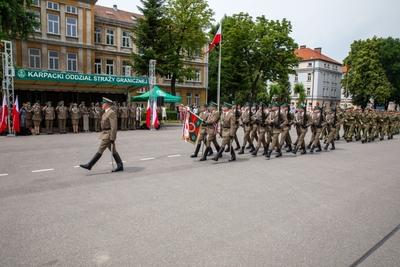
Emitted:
<point x="61" y="125"/>
<point x="106" y="143"/>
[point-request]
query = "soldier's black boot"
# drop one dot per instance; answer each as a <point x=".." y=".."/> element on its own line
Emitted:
<point x="294" y="151"/>
<point x="303" y="151"/>
<point x="248" y="147"/>
<point x="279" y="153"/>
<point x="266" y="150"/>
<point x="326" y="146"/>
<point x="289" y="148"/>
<point x="218" y="148"/>
<point x="254" y="153"/>
<point x="194" y="155"/>
<point x="252" y="148"/>
<point x="228" y="149"/>
<point x="309" y="146"/>
<point x="268" y="155"/>
<point x="241" y="150"/>
<point x="216" y="157"/>
<point x="295" y="143"/>
<point x="210" y="152"/>
<point x="333" y="146"/>
<point x="233" y="156"/>
<point x="312" y="149"/>
<point x="120" y="166"/>
<point x="237" y="146"/>
<point x="205" y="154"/>
<point x="318" y="148"/>
<point x="93" y="161"/>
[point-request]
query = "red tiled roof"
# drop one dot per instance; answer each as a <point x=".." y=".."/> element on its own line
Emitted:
<point x="119" y="15"/>
<point x="309" y="54"/>
<point x="344" y="69"/>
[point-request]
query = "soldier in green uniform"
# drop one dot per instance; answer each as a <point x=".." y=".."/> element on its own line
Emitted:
<point x="340" y="115"/>
<point x="212" y="129"/>
<point x="302" y="121"/>
<point x="245" y="121"/>
<point x="319" y="121"/>
<point x="366" y="121"/>
<point x="261" y="129"/>
<point x="351" y="123"/>
<point x="62" y="115"/>
<point x="277" y="120"/>
<point x="108" y="137"/>
<point x="49" y="117"/>
<point x="255" y="122"/>
<point x="332" y="121"/>
<point x="285" y="136"/>
<point x="227" y="131"/>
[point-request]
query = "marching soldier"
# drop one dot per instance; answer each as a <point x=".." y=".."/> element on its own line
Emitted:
<point x="237" y="114"/>
<point x="212" y="129"/>
<point x="332" y="121"/>
<point x="261" y="130"/>
<point x="227" y="131"/>
<point x="108" y="136"/>
<point x="62" y="115"/>
<point x="255" y="122"/>
<point x="203" y="129"/>
<point x="132" y="116"/>
<point x="124" y="114"/>
<point x="302" y="121"/>
<point x="366" y="123"/>
<point x="319" y="121"/>
<point x="277" y="120"/>
<point x="37" y="117"/>
<point x="285" y="136"/>
<point x="247" y="127"/>
<point x="74" y="115"/>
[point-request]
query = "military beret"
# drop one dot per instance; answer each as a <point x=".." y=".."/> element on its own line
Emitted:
<point x="204" y="105"/>
<point x="300" y="107"/>
<point x="247" y="104"/>
<point x="227" y="105"/>
<point x="270" y="106"/>
<point x="275" y="105"/>
<point x="107" y="101"/>
<point x="212" y="104"/>
<point x="285" y="105"/>
<point x="48" y="102"/>
<point x="254" y="105"/>
<point x="28" y="103"/>
<point x="234" y="103"/>
<point x="332" y="109"/>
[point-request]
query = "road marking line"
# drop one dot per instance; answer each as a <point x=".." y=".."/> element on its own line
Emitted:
<point x="76" y="166"/>
<point x="44" y="170"/>
<point x="174" y="156"/>
<point x="147" y="158"/>
<point x="4" y="174"/>
<point x="115" y="162"/>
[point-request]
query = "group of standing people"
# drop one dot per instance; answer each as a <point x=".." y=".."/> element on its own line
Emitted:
<point x="80" y="116"/>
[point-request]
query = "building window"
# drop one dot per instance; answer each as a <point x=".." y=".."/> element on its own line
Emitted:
<point x="51" y="5"/>
<point x="110" y="36"/>
<point x="309" y="77"/>
<point x="309" y="64"/>
<point x="37" y="19"/>
<point x="53" y="60"/>
<point x="188" y="98"/>
<point x="110" y="66"/>
<point x="296" y="78"/>
<point x="97" y="65"/>
<point x="97" y="34"/>
<point x="36" y="3"/>
<point x="197" y="99"/>
<point x="71" y="9"/>
<point x="327" y="78"/>
<point x="198" y="75"/>
<point x="126" y="68"/>
<point x="72" y="60"/>
<point x="168" y="77"/>
<point x="308" y="91"/>
<point x="34" y="58"/>
<point x="71" y="27"/>
<point x="126" y="39"/>
<point x="53" y="24"/>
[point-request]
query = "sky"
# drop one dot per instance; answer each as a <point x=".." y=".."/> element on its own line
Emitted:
<point x="331" y="25"/>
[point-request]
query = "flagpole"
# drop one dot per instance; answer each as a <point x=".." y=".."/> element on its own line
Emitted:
<point x="219" y="71"/>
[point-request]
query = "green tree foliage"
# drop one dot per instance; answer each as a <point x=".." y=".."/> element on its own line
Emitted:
<point x="300" y="91"/>
<point x="16" y="19"/>
<point x="254" y="52"/>
<point x="369" y="72"/>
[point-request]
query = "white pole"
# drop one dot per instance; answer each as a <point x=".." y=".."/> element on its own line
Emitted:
<point x="219" y="71"/>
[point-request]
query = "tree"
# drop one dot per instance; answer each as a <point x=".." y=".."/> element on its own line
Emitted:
<point x="390" y="59"/>
<point x="256" y="51"/>
<point x="300" y="91"/>
<point x="366" y="78"/>
<point x="16" y="19"/>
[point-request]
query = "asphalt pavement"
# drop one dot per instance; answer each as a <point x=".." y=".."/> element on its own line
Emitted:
<point x="331" y="208"/>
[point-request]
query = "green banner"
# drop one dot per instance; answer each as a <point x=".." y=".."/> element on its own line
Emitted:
<point x="50" y="76"/>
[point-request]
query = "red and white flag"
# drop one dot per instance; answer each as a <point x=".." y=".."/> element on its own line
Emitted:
<point x="155" y="115"/>
<point x="216" y="40"/>
<point x="148" y="114"/>
<point x="15" y="116"/>
<point x="4" y="114"/>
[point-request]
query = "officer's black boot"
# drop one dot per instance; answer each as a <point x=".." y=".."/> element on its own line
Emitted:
<point x="194" y="155"/>
<point x="205" y="154"/>
<point x="289" y="148"/>
<point x="241" y="150"/>
<point x="318" y="148"/>
<point x="279" y="153"/>
<point x="252" y="148"/>
<point x="294" y="151"/>
<point x="237" y="146"/>
<point x="312" y="149"/>
<point x="295" y="143"/>
<point x="309" y="146"/>
<point x="266" y="150"/>
<point x="218" y="148"/>
<point x="120" y="166"/>
<point x="268" y="155"/>
<point x="254" y="153"/>
<point x="216" y="157"/>
<point x="228" y="149"/>
<point x="333" y="146"/>
<point x="248" y="147"/>
<point x="233" y="156"/>
<point x="210" y="151"/>
<point x="91" y="162"/>
<point x="326" y="146"/>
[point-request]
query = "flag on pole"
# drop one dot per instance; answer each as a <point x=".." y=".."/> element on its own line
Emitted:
<point x="4" y="114"/>
<point x="15" y="116"/>
<point x="148" y="114"/>
<point x="216" y="40"/>
<point x="191" y="127"/>
<point x="155" y="115"/>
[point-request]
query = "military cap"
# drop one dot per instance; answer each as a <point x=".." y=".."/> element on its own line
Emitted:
<point x="332" y="109"/>
<point x="83" y="102"/>
<point x="123" y="103"/>
<point x="107" y="101"/>
<point x="285" y="105"/>
<point x="227" y="105"/>
<point x="61" y="102"/>
<point x="261" y="104"/>
<point x="300" y="107"/>
<point x="204" y="105"/>
<point x="234" y="103"/>
<point x="275" y="105"/>
<point x="247" y="104"/>
<point x="28" y="103"/>
<point x="92" y="103"/>
<point x="74" y="104"/>
<point x="317" y="108"/>
<point x="212" y="104"/>
<point x="48" y="102"/>
<point x="97" y="103"/>
<point x="270" y="106"/>
<point x="254" y="105"/>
